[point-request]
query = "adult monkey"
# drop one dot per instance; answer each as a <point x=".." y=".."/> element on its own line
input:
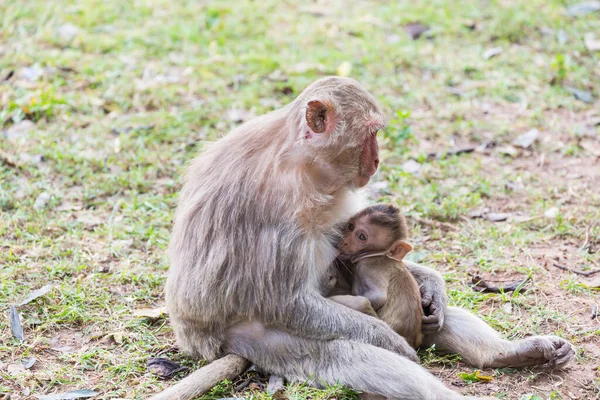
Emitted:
<point x="252" y="242"/>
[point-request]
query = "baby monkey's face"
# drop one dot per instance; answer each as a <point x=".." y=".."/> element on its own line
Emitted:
<point x="361" y="236"/>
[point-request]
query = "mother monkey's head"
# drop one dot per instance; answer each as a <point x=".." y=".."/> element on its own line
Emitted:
<point x="339" y="129"/>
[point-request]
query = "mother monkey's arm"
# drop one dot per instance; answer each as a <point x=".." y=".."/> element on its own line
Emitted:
<point x="433" y="296"/>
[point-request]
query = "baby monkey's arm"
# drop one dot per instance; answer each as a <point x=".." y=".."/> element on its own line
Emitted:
<point x="371" y="282"/>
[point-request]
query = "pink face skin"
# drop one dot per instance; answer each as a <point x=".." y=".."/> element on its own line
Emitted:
<point x="361" y="236"/>
<point x="369" y="160"/>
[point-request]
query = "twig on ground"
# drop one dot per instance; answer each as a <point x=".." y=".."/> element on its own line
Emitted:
<point x="461" y="150"/>
<point x="434" y="224"/>
<point x="480" y="285"/>
<point x="9" y="161"/>
<point x="582" y="273"/>
<point x="452" y="152"/>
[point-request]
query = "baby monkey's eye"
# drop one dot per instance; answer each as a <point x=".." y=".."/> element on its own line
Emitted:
<point x="351" y="227"/>
<point x="362" y="237"/>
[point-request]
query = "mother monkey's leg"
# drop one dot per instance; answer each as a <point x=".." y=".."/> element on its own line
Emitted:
<point x="455" y="330"/>
<point x="358" y="365"/>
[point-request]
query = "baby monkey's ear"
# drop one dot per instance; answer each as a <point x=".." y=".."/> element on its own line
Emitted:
<point x="398" y="250"/>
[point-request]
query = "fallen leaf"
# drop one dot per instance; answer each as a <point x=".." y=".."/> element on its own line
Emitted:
<point x="33" y="73"/>
<point x="275" y="384"/>
<point x="562" y="37"/>
<point x="587" y="7"/>
<point x="478" y="212"/>
<point x="152" y="313"/>
<point x="74" y="394"/>
<point x="485" y="378"/>
<point x="581" y="95"/>
<point x="590" y="146"/>
<point x="551" y="213"/>
<point x="531" y="397"/>
<point x="475" y="377"/>
<point x="411" y="166"/>
<point x="41" y="200"/>
<point x="35" y="294"/>
<point x="67" y="31"/>
<point x="55" y="344"/>
<point x="415" y="29"/>
<point x="163" y="367"/>
<point x="493" y="52"/>
<point x="15" y="369"/>
<point x="344" y="69"/>
<point x="591" y="43"/>
<point x="89" y="220"/>
<point x="527" y="139"/>
<point x="18" y="130"/>
<point x="28" y="362"/>
<point x="497" y="217"/>
<point x="117" y="337"/>
<point x="121" y="244"/>
<point x="507" y="308"/>
<point x="507" y="150"/>
<point x="15" y="324"/>
<point x="593" y="282"/>
<point x="480" y="285"/>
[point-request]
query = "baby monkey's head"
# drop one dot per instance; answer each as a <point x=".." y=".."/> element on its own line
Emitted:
<point x="377" y="229"/>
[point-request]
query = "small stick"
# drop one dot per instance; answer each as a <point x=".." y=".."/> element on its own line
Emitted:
<point x="582" y="273"/>
<point x="479" y="285"/>
<point x="10" y="162"/>
<point x="433" y="224"/>
<point x="452" y="152"/>
<point x="595" y="312"/>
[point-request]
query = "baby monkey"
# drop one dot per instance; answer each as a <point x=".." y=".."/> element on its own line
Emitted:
<point x="374" y="244"/>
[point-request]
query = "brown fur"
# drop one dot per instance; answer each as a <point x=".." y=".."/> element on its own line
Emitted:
<point x="386" y="282"/>
<point x="402" y="307"/>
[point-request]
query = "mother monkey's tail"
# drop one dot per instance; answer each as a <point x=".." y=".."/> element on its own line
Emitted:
<point x="202" y="380"/>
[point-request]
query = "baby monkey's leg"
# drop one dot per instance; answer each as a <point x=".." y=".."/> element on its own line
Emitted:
<point x="358" y="303"/>
<point x="480" y="345"/>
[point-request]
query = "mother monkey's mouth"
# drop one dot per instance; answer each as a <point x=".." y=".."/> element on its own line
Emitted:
<point x="369" y="160"/>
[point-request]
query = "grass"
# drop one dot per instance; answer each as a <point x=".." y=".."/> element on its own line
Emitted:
<point x="107" y="102"/>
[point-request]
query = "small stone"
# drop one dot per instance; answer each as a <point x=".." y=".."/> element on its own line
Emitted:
<point x="551" y="213"/>
<point x="497" y="217"/>
<point x="527" y="139"/>
<point x="15" y="369"/>
<point x="581" y="95"/>
<point x="587" y="7"/>
<point x="493" y="52"/>
<point x="591" y="43"/>
<point x="411" y="166"/>
<point x="41" y="200"/>
<point x="19" y="129"/>
<point x="32" y="73"/>
<point x="415" y="29"/>
<point x="68" y="32"/>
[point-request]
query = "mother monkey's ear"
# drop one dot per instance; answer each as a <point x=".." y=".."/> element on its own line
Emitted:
<point x="320" y="117"/>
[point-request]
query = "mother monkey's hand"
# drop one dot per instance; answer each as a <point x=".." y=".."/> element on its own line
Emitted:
<point x="433" y="296"/>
